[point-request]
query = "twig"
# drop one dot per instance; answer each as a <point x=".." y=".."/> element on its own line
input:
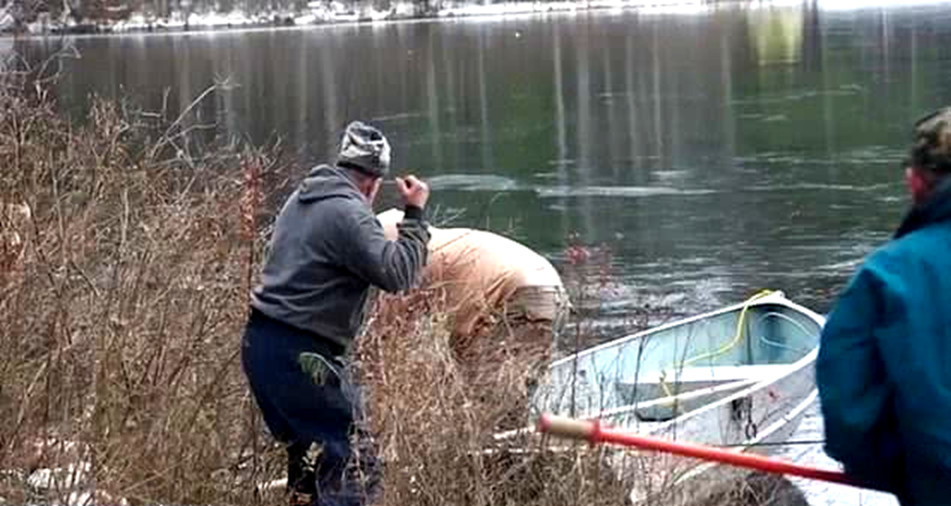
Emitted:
<point x="167" y="137"/>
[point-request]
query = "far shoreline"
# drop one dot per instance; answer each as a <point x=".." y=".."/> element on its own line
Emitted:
<point x="504" y="11"/>
<point x="292" y="22"/>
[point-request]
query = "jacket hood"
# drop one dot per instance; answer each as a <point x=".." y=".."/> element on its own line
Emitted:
<point x="327" y="182"/>
<point x="934" y="210"/>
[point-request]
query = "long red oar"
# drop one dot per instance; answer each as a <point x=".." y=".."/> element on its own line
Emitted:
<point x="593" y="432"/>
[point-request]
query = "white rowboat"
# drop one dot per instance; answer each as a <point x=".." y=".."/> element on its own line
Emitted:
<point x="740" y="376"/>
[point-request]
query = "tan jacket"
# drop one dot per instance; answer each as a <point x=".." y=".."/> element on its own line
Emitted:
<point x="480" y="273"/>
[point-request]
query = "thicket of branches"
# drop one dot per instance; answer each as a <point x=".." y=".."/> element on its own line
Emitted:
<point x="122" y="302"/>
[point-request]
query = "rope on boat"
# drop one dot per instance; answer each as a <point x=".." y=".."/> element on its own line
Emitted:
<point x="740" y="325"/>
<point x="739" y="330"/>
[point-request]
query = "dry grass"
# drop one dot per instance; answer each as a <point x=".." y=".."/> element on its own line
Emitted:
<point x="435" y="419"/>
<point x="120" y="323"/>
<point x="435" y="422"/>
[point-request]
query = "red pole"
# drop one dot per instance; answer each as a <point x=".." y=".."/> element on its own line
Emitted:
<point x="593" y="432"/>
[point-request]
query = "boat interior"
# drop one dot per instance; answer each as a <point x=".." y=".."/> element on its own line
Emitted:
<point x="689" y="364"/>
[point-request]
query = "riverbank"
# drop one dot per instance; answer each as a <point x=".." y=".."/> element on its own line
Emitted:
<point x="332" y="13"/>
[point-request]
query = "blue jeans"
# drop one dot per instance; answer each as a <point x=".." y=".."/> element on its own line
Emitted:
<point x="302" y="387"/>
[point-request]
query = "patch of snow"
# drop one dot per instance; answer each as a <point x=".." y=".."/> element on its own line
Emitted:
<point x="86" y="498"/>
<point x="62" y="478"/>
<point x="6" y="19"/>
<point x="336" y="11"/>
<point x="136" y="21"/>
<point x="41" y="25"/>
<point x="318" y="13"/>
<point x="347" y="17"/>
<point x="15" y="474"/>
<point x="52" y="442"/>
<point x="272" y="485"/>
<point x="509" y="8"/>
<point x="338" y="7"/>
<point x="215" y="19"/>
<point x="307" y="19"/>
<point x="403" y="9"/>
<point x="175" y="21"/>
<point x="375" y="15"/>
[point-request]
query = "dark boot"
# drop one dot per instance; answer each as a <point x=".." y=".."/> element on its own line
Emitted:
<point x="301" y="476"/>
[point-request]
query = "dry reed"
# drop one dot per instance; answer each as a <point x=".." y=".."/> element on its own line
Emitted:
<point x="121" y="318"/>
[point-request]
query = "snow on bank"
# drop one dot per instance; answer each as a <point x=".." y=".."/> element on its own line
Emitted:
<point x="234" y="19"/>
<point x="507" y="8"/>
<point x="71" y="485"/>
<point x="319" y="12"/>
<point x="316" y="13"/>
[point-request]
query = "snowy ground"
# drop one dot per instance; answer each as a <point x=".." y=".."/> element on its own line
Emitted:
<point x="319" y="12"/>
<point x="821" y="493"/>
<point x="816" y="492"/>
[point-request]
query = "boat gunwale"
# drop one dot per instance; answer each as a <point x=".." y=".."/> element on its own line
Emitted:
<point x="775" y="298"/>
<point x="807" y="360"/>
<point x="735" y="385"/>
<point x="798" y="366"/>
<point x="753" y="386"/>
<point x="681" y="397"/>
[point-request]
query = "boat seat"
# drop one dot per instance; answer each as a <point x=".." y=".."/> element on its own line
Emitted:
<point x="649" y="385"/>
<point x="721" y="373"/>
<point x="711" y="374"/>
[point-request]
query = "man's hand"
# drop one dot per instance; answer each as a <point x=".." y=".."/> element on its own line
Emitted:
<point x="414" y="192"/>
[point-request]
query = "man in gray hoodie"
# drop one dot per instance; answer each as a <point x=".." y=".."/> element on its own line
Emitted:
<point x="327" y="251"/>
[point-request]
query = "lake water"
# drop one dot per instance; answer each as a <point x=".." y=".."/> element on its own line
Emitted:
<point x="714" y="154"/>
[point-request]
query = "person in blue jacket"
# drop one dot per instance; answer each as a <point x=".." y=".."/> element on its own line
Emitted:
<point x="884" y="366"/>
<point x="326" y="252"/>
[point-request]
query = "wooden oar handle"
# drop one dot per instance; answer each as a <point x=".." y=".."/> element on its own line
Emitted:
<point x="566" y="427"/>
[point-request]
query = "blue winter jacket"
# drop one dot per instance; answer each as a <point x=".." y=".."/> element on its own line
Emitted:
<point x="884" y="366"/>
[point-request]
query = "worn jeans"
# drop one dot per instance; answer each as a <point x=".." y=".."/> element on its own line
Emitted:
<point x="302" y="387"/>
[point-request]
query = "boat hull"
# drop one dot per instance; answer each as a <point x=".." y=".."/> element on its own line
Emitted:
<point x="748" y="392"/>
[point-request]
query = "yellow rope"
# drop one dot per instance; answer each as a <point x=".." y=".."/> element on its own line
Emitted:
<point x="732" y="344"/>
<point x="739" y="331"/>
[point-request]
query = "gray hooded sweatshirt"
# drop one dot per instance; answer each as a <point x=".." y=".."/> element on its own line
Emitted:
<point x="326" y="252"/>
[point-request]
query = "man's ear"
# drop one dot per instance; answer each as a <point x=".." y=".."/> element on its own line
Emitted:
<point x="368" y="186"/>
<point x="919" y="184"/>
<point x="374" y="189"/>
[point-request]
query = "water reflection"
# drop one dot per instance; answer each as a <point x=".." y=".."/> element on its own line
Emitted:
<point x="717" y="154"/>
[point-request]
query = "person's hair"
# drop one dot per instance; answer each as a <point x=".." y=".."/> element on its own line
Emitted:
<point x="931" y="151"/>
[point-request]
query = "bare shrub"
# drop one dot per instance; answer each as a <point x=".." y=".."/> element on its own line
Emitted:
<point x="435" y="422"/>
<point x="120" y="328"/>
